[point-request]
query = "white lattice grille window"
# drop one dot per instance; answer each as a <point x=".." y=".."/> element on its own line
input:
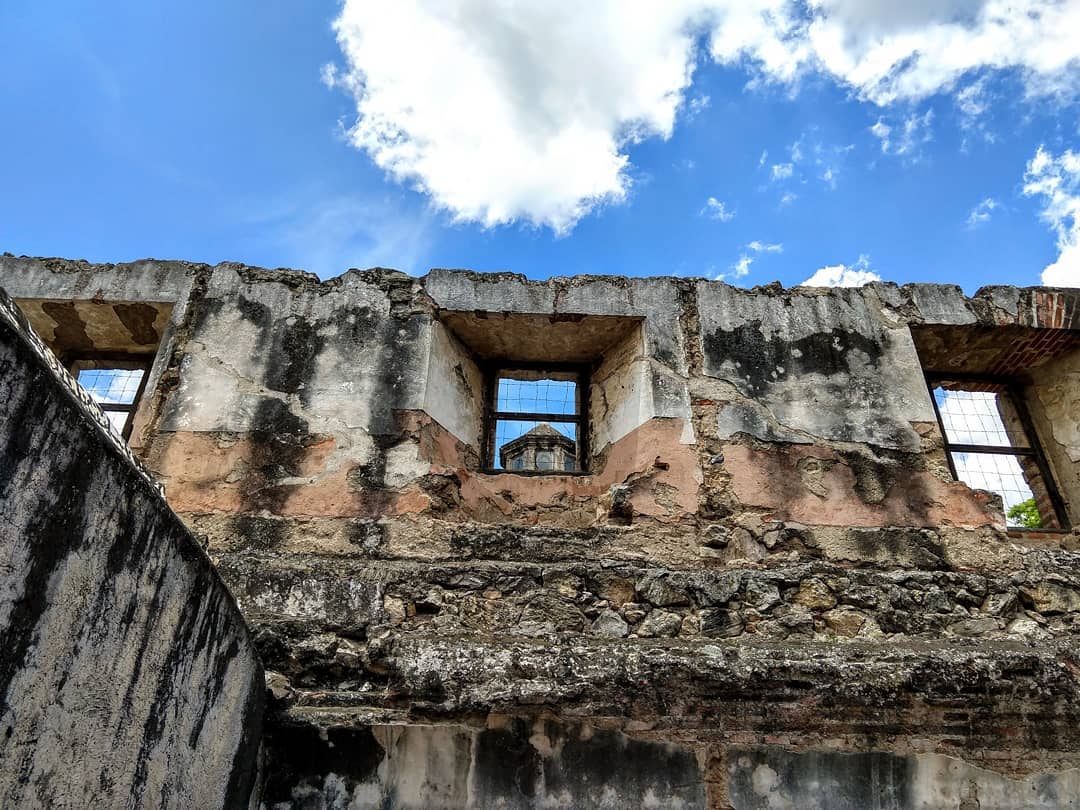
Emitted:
<point x="535" y="420"/>
<point x="116" y="386"/>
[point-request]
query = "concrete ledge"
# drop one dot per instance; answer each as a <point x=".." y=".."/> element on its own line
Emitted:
<point x="989" y="695"/>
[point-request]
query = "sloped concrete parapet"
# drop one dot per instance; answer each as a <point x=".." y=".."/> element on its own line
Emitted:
<point x="127" y="675"/>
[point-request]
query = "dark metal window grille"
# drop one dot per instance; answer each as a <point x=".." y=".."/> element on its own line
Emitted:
<point x="116" y="382"/>
<point x="533" y="399"/>
<point x="990" y="444"/>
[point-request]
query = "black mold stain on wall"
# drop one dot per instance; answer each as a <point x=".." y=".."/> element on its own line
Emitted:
<point x="293" y="352"/>
<point x="139" y="320"/>
<point x="59" y="533"/>
<point x="765" y="778"/>
<point x="756" y="364"/>
<point x="70" y="332"/>
<point x="505" y="767"/>
<point x="761" y="361"/>
<point x="632" y="769"/>
<point x="300" y="758"/>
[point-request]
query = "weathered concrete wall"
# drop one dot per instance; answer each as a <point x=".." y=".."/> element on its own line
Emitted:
<point x="805" y="365"/>
<point x="454" y="389"/>
<point x="1055" y="408"/>
<point x="509" y="764"/>
<point x="767" y="569"/>
<point x="128" y="678"/>
<point x="768" y="779"/>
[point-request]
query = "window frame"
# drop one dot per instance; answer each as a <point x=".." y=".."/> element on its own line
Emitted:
<point x="75" y="362"/>
<point x="1012" y="388"/>
<point x="492" y="370"/>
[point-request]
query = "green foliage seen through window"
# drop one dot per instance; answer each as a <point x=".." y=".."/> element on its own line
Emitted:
<point x="1025" y="514"/>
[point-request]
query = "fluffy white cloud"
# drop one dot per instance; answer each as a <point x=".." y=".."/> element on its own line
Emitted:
<point x="981" y="212"/>
<point x="888" y="51"/>
<point x="514" y="110"/>
<point x="717" y="209"/>
<point x="1056" y="179"/>
<point x="842" y="275"/>
<point x="504" y="110"/>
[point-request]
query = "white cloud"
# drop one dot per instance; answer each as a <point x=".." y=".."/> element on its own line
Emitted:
<point x="742" y="266"/>
<point x="782" y="171"/>
<point x="111" y="385"/>
<point x="329" y="75"/>
<point x="981" y="212"/>
<point x="889" y="51"/>
<point x="882" y="131"/>
<point x="796" y="151"/>
<point x="1056" y="179"/>
<point x="764" y="247"/>
<point x="737" y="270"/>
<point x="697" y="104"/>
<point x="972" y="101"/>
<point x="906" y="137"/>
<point x="717" y="209"/>
<point x="825" y="157"/>
<point x="841" y="275"/>
<point x="972" y="417"/>
<point x="522" y="111"/>
<point x="513" y="110"/>
<point x="994" y="473"/>
<point x="788" y="198"/>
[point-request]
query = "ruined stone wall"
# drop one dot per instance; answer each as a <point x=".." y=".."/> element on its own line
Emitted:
<point x="768" y="584"/>
<point x="127" y="675"/>
<point x="1055" y="405"/>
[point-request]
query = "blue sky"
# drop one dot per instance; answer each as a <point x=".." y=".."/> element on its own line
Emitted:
<point x="547" y="139"/>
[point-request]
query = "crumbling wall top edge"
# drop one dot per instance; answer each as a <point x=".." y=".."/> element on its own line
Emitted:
<point x="59" y="264"/>
<point x="947" y="295"/>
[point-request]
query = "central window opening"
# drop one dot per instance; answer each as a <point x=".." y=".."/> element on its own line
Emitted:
<point x="536" y="419"/>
